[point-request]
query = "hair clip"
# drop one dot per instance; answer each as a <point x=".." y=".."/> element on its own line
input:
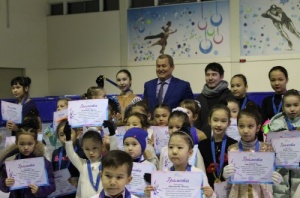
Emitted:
<point x="198" y="103"/>
<point x="184" y="110"/>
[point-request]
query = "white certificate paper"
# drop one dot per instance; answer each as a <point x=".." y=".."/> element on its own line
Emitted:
<point x="138" y="184"/>
<point x="176" y="184"/>
<point x="27" y="171"/>
<point x="282" y="134"/>
<point x="287" y="152"/>
<point x="62" y="185"/>
<point x="11" y="112"/>
<point x="87" y="112"/>
<point x="222" y="189"/>
<point x="58" y="116"/>
<point x="232" y="131"/>
<point x="167" y="164"/>
<point x="252" y="167"/>
<point x="161" y="137"/>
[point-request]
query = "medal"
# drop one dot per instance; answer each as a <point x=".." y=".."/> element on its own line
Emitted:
<point x="217" y="180"/>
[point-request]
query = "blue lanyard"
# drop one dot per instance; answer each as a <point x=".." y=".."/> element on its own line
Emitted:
<point x="222" y="155"/>
<point x="244" y="103"/>
<point x="127" y="194"/>
<point x="188" y="168"/>
<point x="256" y="146"/>
<point x="60" y="157"/>
<point x="24" y="101"/>
<point x="289" y="124"/>
<point x="274" y="106"/>
<point x="96" y="186"/>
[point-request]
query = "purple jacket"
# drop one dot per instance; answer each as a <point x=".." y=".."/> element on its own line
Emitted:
<point x="44" y="191"/>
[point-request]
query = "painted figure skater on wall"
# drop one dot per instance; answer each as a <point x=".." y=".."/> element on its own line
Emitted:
<point x="163" y="37"/>
<point x="280" y="20"/>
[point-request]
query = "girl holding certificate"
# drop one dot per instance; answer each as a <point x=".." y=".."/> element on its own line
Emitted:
<point x="288" y="120"/>
<point x="248" y="121"/>
<point x="20" y="89"/>
<point x="60" y="159"/>
<point x="29" y="148"/>
<point x="180" y="148"/>
<point x="214" y="150"/>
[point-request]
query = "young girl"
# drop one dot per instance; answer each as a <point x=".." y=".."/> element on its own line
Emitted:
<point x="95" y="93"/>
<point x="272" y="105"/>
<point x="178" y="120"/>
<point x="161" y="115"/>
<point x="214" y="150"/>
<point x="28" y="147"/>
<point x="248" y="125"/>
<point x="20" y="89"/>
<point x="239" y="86"/>
<point x="89" y="181"/>
<point x="50" y="133"/>
<point x="289" y="120"/>
<point x="126" y="97"/>
<point x="193" y="108"/>
<point x="180" y="148"/>
<point x="232" y="130"/>
<point x="138" y="120"/>
<point x="60" y="159"/>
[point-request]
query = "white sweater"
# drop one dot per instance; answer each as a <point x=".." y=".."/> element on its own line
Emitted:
<point x="85" y="189"/>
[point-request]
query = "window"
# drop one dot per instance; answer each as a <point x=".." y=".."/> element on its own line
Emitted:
<point x="110" y="5"/>
<point x="83" y="7"/>
<point x="57" y="9"/>
<point x="143" y="3"/>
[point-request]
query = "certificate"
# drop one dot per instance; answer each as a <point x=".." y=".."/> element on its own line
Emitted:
<point x="252" y="167"/>
<point x="282" y="134"/>
<point x="11" y="112"/>
<point x="87" y="112"/>
<point x="161" y="137"/>
<point x="27" y="171"/>
<point x="176" y="184"/>
<point x="287" y="152"/>
<point x="120" y="142"/>
<point x="62" y="185"/>
<point x="232" y="131"/>
<point x="167" y="164"/>
<point x="222" y="189"/>
<point x="121" y="130"/>
<point x="138" y="184"/>
<point x="58" y="116"/>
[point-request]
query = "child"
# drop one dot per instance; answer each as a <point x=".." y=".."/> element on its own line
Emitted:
<point x="239" y="86"/>
<point x="50" y="133"/>
<point x="135" y="145"/>
<point x="272" y="105"/>
<point x="28" y="147"/>
<point x="180" y="148"/>
<point x="232" y="130"/>
<point x="20" y="89"/>
<point x="60" y="159"/>
<point x="161" y="115"/>
<point x="248" y="125"/>
<point x="214" y="150"/>
<point x="193" y="108"/>
<point x="137" y="120"/>
<point x="95" y="93"/>
<point x="89" y="181"/>
<point x="178" y="120"/>
<point x="115" y="175"/>
<point x="287" y="120"/>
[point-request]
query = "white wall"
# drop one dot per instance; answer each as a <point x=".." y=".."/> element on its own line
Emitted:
<point x="102" y="49"/>
<point x="23" y="41"/>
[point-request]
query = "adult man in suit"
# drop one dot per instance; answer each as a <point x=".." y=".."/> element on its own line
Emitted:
<point x="166" y="88"/>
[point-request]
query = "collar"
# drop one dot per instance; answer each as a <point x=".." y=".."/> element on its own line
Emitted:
<point x="107" y="195"/>
<point x="166" y="81"/>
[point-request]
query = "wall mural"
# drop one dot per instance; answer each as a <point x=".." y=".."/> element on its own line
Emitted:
<point x="269" y="27"/>
<point x="185" y="31"/>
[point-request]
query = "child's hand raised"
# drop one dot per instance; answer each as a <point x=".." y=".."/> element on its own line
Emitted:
<point x="148" y="190"/>
<point x="207" y="191"/>
<point x="111" y="128"/>
<point x="67" y="131"/>
<point x="9" y="182"/>
<point x="34" y="189"/>
<point x="11" y="126"/>
<point x="73" y="181"/>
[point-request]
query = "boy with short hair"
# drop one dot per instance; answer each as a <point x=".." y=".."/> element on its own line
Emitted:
<point x="115" y="175"/>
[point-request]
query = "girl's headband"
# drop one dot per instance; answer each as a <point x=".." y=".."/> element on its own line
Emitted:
<point x="184" y="110"/>
<point x="182" y="132"/>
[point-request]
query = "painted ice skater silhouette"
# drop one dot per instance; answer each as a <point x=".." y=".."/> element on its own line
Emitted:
<point x="280" y="20"/>
<point x="163" y="37"/>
